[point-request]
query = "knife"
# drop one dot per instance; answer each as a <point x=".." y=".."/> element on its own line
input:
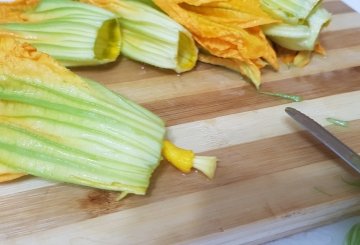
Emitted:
<point x="325" y="137"/>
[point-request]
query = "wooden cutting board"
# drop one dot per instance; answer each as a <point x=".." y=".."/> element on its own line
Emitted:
<point x="272" y="180"/>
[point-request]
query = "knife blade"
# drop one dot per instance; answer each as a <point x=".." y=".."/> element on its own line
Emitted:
<point x="325" y="137"/>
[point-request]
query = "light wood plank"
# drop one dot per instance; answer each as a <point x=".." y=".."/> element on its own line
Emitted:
<point x="260" y="124"/>
<point x="172" y="86"/>
<point x="240" y="128"/>
<point x="343" y="21"/>
<point x="215" y="210"/>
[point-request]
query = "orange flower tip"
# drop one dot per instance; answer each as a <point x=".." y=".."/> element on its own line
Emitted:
<point x="180" y="158"/>
<point x="185" y="160"/>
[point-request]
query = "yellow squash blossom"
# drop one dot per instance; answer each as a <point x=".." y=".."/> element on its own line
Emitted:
<point x="60" y="126"/>
<point x="151" y="36"/>
<point x="228" y="31"/>
<point x="74" y="33"/>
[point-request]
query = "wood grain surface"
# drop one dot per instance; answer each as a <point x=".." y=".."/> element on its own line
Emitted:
<point x="272" y="180"/>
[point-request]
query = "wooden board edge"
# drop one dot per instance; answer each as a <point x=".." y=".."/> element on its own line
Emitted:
<point x="285" y="225"/>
